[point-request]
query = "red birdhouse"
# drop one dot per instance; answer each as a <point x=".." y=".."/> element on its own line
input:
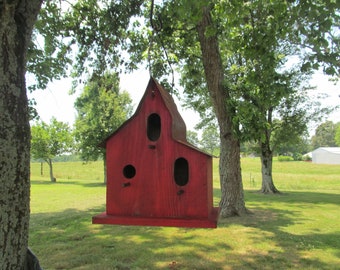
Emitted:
<point x="154" y="176"/>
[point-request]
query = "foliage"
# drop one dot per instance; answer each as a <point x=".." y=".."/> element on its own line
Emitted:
<point x="257" y="41"/>
<point x="300" y="144"/>
<point x="33" y="113"/>
<point x="285" y="158"/>
<point x="61" y="158"/>
<point x="210" y="141"/>
<point x="50" y="140"/>
<point x="337" y="135"/>
<point x="192" y="137"/>
<point x="325" y="135"/>
<point x="317" y="25"/>
<point x="293" y="148"/>
<point x="250" y="148"/>
<point x="101" y="109"/>
<point x="292" y="117"/>
<point x="78" y="38"/>
<point x="268" y="50"/>
<point x="307" y="158"/>
<point x="297" y="156"/>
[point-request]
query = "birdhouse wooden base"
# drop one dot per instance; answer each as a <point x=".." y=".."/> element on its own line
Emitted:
<point x="210" y="222"/>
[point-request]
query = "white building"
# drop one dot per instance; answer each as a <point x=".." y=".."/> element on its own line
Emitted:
<point x="326" y="155"/>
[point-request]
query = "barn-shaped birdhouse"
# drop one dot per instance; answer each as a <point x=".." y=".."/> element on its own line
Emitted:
<point x="154" y="176"/>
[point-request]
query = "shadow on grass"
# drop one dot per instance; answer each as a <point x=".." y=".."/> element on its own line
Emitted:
<point x="83" y="183"/>
<point x="293" y="248"/>
<point x="296" y="197"/>
<point x="289" y="250"/>
<point x="91" y="184"/>
<point x="68" y="240"/>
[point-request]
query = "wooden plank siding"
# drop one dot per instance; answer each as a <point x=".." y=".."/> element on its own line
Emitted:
<point x="154" y="176"/>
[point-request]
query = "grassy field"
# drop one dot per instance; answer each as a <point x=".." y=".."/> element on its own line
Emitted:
<point x="299" y="229"/>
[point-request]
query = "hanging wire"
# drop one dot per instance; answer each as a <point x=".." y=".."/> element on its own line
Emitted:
<point x="149" y="53"/>
<point x="155" y="29"/>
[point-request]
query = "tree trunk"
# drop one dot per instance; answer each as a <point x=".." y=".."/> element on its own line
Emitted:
<point x="232" y="199"/>
<point x="50" y="165"/>
<point x="16" y="22"/>
<point x="267" y="169"/>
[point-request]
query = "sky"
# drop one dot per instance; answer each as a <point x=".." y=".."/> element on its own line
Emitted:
<point x="56" y="100"/>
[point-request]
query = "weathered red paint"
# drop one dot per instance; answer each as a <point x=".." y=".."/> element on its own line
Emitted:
<point x="144" y="186"/>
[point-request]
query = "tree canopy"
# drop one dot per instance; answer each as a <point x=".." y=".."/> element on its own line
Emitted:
<point x="325" y="135"/>
<point x="101" y="109"/>
<point x="337" y="135"/>
<point x="192" y="137"/>
<point x="78" y="38"/>
<point x="51" y="140"/>
<point x="210" y="141"/>
<point x="260" y="52"/>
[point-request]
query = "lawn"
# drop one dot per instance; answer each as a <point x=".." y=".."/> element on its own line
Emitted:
<point x="296" y="230"/>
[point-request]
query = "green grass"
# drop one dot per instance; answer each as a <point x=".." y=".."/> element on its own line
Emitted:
<point x="296" y="230"/>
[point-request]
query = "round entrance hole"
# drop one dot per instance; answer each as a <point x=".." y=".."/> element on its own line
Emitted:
<point x="129" y="171"/>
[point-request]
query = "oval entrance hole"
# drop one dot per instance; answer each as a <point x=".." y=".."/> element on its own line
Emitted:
<point x="181" y="171"/>
<point x="154" y="127"/>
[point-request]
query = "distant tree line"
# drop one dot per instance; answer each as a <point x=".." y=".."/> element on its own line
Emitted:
<point x="71" y="144"/>
<point x="327" y="134"/>
<point x="61" y="158"/>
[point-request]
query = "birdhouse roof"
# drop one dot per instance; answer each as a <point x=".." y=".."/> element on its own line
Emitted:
<point x="178" y="125"/>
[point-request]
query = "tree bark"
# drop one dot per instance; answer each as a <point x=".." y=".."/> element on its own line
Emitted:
<point x="267" y="169"/>
<point x="50" y="165"/>
<point x="16" y="22"/>
<point x="267" y="160"/>
<point x="232" y="198"/>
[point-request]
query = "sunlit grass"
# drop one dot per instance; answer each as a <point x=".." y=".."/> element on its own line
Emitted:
<point x="298" y="229"/>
